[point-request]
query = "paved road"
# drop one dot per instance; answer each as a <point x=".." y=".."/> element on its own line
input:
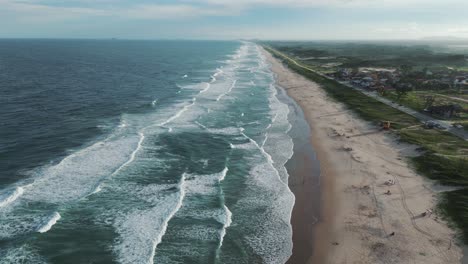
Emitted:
<point x="459" y="132"/>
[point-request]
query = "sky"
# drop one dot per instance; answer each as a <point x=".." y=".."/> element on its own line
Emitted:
<point x="234" y="19"/>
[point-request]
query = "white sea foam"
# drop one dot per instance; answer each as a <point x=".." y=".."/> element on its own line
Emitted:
<point x="224" y="131"/>
<point x="20" y="255"/>
<point x="223" y="174"/>
<point x="96" y="190"/>
<point x="204" y="162"/>
<point x="228" y="91"/>
<point x="207" y="87"/>
<point x="78" y="174"/>
<point x="208" y="187"/>
<point x="228" y="217"/>
<point x="265" y="140"/>
<point x="187" y="119"/>
<point x="141" y="231"/>
<point x="278" y="142"/>
<point x="253" y="123"/>
<point x="248" y="145"/>
<point x="218" y="72"/>
<point x="10" y="197"/>
<point x="274" y="242"/>
<point x="266" y="154"/>
<point x="123" y="123"/>
<point x="274" y="118"/>
<point x="197" y="87"/>
<point x="226" y="223"/>
<point x="200" y="125"/>
<point x="49" y="223"/>
<point x="178" y="114"/>
<point x="204" y="184"/>
<point x="268" y="180"/>
<point x="171" y="215"/>
<point x="132" y="156"/>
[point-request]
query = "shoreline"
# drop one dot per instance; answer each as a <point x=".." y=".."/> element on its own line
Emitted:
<point x="304" y="181"/>
<point x="362" y="219"/>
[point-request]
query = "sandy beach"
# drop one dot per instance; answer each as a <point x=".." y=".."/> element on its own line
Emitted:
<point x="373" y="207"/>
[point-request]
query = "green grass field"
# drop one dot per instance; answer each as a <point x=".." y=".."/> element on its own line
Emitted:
<point x="416" y="100"/>
<point x="444" y="157"/>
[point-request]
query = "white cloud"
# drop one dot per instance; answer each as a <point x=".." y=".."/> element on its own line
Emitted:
<point x="38" y="10"/>
<point x="153" y="11"/>
<point x="33" y="11"/>
<point x="36" y="13"/>
<point x="421" y="4"/>
<point x="458" y="30"/>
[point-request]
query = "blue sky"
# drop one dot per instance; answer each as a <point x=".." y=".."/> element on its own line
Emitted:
<point x="233" y="19"/>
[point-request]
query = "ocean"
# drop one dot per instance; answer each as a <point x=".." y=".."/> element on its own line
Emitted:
<point x="115" y="151"/>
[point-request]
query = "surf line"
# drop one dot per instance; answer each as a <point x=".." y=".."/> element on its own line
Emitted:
<point x="141" y="140"/>
<point x="172" y="118"/>
<point x="213" y="77"/>
<point x="98" y="187"/>
<point x="140" y="143"/>
<point x="266" y="155"/>
<point x="142" y="136"/>
<point x="227" y="215"/>
<point x="178" y="114"/>
<point x="227" y="223"/>
<point x="48" y="225"/>
<point x="158" y="239"/>
<point x="132" y="156"/>
<point x="229" y="91"/>
<point x="12" y="197"/>
<point x="208" y="85"/>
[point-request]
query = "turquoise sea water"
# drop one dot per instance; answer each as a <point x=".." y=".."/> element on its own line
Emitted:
<point x="142" y="152"/>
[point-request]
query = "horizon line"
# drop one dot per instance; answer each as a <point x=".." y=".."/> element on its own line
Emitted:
<point x="424" y="39"/>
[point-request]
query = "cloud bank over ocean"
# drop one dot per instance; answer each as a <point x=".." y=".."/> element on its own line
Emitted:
<point x="223" y="19"/>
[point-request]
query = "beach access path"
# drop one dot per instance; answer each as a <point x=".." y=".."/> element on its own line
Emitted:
<point x="374" y="208"/>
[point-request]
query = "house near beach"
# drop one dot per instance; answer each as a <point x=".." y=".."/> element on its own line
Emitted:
<point x="446" y="111"/>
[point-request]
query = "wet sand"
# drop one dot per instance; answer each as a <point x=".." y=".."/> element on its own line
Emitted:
<point x="304" y="182"/>
<point x="361" y="218"/>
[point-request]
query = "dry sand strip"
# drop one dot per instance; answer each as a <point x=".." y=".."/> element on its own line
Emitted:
<point x="375" y="208"/>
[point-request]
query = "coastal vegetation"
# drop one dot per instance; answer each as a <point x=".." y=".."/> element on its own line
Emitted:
<point x="418" y="100"/>
<point x="415" y="56"/>
<point x="443" y="156"/>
